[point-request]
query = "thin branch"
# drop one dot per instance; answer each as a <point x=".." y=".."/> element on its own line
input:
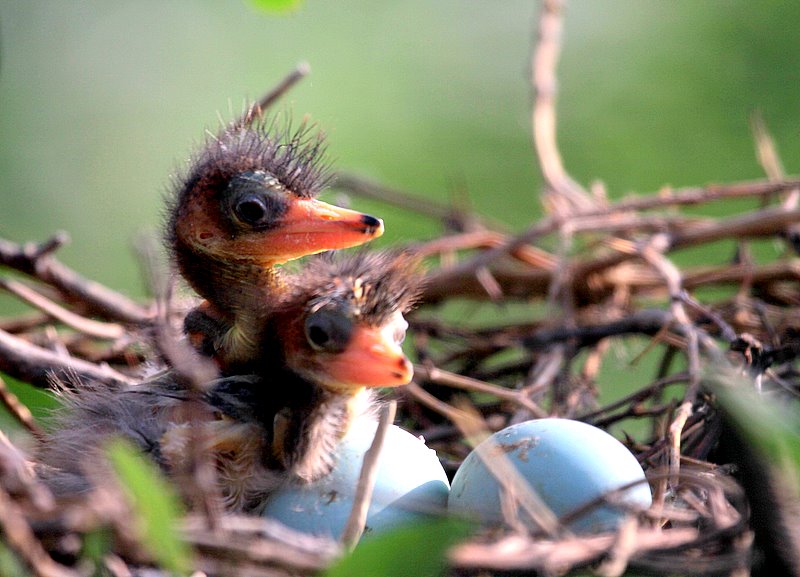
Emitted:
<point x="18" y="535"/>
<point x="354" y="527"/>
<point x="256" y="111"/>
<point x="38" y="262"/>
<point x="38" y="366"/>
<point x="19" y="411"/>
<point x="569" y="196"/>
<point x="89" y="327"/>
<point x="442" y="377"/>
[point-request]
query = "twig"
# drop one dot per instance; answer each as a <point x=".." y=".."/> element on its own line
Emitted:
<point x="414" y="202"/>
<point x="569" y="196"/>
<point x="19" y="411"/>
<point x="38" y="366"/>
<point x="17" y="533"/>
<point x="424" y="397"/>
<point x="442" y="377"/>
<point x="354" y="527"/>
<point x="38" y="262"/>
<point x="257" y="109"/>
<point x="89" y="327"/>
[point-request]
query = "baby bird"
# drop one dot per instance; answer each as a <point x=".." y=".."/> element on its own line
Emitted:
<point x="331" y="337"/>
<point x="246" y="204"/>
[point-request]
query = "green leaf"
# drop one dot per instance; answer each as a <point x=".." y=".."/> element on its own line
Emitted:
<point x="276" y="6"/>
<point x="155" y="504"/>
<point x="10" y="565"/>
<point x="411" y="551"/>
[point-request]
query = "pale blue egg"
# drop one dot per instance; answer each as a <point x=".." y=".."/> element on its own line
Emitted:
<point x="410" y="485"/>
<point x="567" y="463"/>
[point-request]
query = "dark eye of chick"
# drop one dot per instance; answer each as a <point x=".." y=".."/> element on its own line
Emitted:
<point x="254" y="199"/>
<point x="328" y="330"/>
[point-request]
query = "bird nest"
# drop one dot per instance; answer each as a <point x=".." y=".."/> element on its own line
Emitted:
<point x="598" y="288"/>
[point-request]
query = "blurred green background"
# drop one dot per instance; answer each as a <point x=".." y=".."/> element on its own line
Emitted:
<point x="101" y="101"/>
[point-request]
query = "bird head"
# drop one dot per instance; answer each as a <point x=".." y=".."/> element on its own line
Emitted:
<point x="350" y="325"/>
<point x="248" y="201"/>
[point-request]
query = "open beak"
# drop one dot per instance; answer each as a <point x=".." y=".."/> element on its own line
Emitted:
<point x="310" y="226"/>
<point x="371" y="359"/>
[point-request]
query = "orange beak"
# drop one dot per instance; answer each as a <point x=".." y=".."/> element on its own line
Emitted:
<point x="311" y="226"/>
<point x="372" y="359"/>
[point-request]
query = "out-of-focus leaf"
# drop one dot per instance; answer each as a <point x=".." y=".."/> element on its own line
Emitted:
<point x="412" y="551"/>
<point x="278" y="6"/>
<point x="155" y="504"/>
<point x="10" y="565"/>
<point x="96" y="544"/>
<point x="770" y="426"/>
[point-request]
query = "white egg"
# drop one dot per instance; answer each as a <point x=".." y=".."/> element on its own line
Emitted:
<point x="410" y="484"/>
<point x="567" y="463"/>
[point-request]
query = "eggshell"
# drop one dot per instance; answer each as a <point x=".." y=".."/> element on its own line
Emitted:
<point x="410" y="484"/>
<point x="567" y="463"/>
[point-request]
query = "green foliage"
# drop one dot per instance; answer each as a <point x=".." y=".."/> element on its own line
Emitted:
<point x="10" y="565"/>
<point x="156" y="505"/>
<point x="278" y="6"/>
<point x="412" y="551"/>
<point x="774" y="429"/>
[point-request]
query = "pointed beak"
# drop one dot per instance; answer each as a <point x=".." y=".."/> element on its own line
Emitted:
<point x="310" y="226"/>
<point x="371" y="359"/>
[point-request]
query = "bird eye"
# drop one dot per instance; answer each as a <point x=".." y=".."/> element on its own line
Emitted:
<point x="254" y="199"/>
<point x="251" y="209"/>
<point x="328" y="330"/>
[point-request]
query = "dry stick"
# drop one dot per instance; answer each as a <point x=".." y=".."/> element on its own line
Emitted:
<point x="521" y="554"/>
<point x="415" y="202"/>
<point x="672" y="276"/>
<point x="37" y="366"/>
<point x="354" y="527"/>
<point x="569" y="195"/>
<point x="256" y="111"/>
<point x="527" y="254"/>
<point x="773" y="167"/>
<point x="19" y="536"/>
<point x="38" y="262"/>
<point x="89" y="327"/>
<point x="442" y="377"/>
<point x="620" y="552"/>
<point x="458" y="275"/>
<point x="196" y="372"/>
<point x="425" y="398"/>
<point x="19" y="411"/>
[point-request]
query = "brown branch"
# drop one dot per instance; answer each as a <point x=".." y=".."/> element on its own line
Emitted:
<point x="417" y="203"/>
<point x="38" y="366"/>
<point x="442" y="377"/>
<point x="38" y="262"/>
<point x="519" y="553"/>
<point x="354" y="528"/>
<point x="569" y="196"/>
<point x="19" y="411"/>
<point x="256" y="110"/>
<point x="18" y="535"/>
<point x="89" y="327"/>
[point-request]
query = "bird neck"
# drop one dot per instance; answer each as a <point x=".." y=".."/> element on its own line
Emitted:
<point x="315" y="430"/>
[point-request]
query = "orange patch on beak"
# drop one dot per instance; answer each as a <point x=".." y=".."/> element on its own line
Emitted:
<point x="311" y="226"/>
<point x="372" y="359"/>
